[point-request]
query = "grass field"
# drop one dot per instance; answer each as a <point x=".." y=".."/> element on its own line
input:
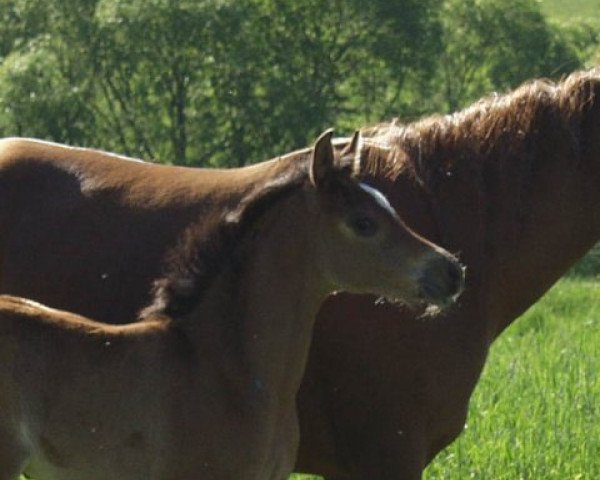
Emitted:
<point x="571" y="9"/>
<point x="535" y="414"/>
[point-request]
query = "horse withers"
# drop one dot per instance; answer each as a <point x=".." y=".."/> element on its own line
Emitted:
<point x="204" y="385"/>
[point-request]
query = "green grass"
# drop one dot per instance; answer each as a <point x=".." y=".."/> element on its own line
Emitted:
<point x="571" y="10"/>
<point x="536" y="411"/>
<point x="535" y="414"/>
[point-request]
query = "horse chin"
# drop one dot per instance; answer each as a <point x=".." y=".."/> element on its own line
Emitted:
<point x="410" y="303"/>
<point x="433" y="307"/>
<point x="421" y="307"/>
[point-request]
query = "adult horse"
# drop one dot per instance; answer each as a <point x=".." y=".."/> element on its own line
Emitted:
<point x="204" y="386"/>
<point x="511" y="183"/>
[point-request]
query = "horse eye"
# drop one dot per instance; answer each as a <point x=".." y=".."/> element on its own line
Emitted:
<point x="363" y="226"/>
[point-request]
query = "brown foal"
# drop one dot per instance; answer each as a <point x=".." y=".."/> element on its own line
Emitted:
<point x="204" y="385"/>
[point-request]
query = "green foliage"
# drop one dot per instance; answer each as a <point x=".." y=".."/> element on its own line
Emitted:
<point x="224" y="82"/>
<point x="584" y="38"/>
<point x="577" y="10"/>
<point x="147" y="56"/>
<point x="38" y="99"/>
<point x="20" y="21"/>
<point x="495" y="45"/>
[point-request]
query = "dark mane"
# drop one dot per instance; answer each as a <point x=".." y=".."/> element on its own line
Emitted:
<point x="207" y="245"/>
<point x="490" y="153"/>
<point x="492" y="130"/>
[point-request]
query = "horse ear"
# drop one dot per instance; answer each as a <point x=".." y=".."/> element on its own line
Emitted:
<point x="351" y="154"/>
<point x="353" y="146"/>
<point x="323" y="159"/>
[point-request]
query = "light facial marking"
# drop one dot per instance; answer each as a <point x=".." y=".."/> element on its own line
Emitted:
<point x="379" y="198"/>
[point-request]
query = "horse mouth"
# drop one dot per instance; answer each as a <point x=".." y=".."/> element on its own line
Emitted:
<point x="422" y="308"/>
<point x="392" y="300"/>
<point x="436" y="295"/>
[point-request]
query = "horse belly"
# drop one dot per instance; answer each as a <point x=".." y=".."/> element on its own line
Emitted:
<point x="100" y="434"/>
<point x="46" y="465"/>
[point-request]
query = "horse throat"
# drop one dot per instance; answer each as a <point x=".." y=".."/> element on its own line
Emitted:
<point x="256" y="318"/>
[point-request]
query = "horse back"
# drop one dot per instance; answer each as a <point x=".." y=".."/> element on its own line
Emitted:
<point x="98" y="224"/>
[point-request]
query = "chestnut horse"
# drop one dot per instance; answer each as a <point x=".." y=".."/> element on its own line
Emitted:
<point x="511" y="183"/>
<point x="204" y="385"/>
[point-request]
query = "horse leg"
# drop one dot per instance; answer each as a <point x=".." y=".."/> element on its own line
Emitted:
<point x="13" y="457"/>
<point x="383" y="456"/>
<point x="11" y="464"/>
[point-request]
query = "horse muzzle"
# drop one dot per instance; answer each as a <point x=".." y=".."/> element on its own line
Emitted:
<point x="442" y="281"/>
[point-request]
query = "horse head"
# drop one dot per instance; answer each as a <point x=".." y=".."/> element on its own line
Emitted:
<point x="366" y="247"/>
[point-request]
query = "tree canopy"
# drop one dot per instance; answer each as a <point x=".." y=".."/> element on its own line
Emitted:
<point x="228" y="82"/>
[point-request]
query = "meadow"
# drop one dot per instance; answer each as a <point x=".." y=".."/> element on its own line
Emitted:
<point x="573" y="10"/>
<point x="536" y="411"/>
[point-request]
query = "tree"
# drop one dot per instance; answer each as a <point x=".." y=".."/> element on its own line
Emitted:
<point x="584" y="38"/>
<point x="497" y="44"/>
<point x="229" y="82"/>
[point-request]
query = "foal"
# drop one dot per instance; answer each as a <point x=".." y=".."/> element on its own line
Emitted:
<point x="204" y="386"/>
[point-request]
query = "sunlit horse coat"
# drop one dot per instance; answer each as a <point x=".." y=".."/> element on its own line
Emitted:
<point x="511" y="183"/>
<point x="204" y="386"/>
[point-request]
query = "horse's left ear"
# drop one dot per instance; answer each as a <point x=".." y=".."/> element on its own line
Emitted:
<point x="351" y="154"/>
<point x="323" y="159"/>
<point x="353" y="146"/>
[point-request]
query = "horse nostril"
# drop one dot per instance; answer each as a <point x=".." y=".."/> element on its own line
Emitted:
<point x="443" y="280"/>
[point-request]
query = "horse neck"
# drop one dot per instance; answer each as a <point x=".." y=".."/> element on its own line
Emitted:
<point x="561" y="224"/>
<point x="261" y="311"/>
<point x="518" y="219"/>
<point x="540" y="216"/>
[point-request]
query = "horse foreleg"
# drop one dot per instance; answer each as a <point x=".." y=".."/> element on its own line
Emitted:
<point x="13" y="458"/>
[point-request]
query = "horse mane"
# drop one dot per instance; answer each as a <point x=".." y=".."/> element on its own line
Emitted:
<point x="210" y="243"/>
<point x="491" y="131"/>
